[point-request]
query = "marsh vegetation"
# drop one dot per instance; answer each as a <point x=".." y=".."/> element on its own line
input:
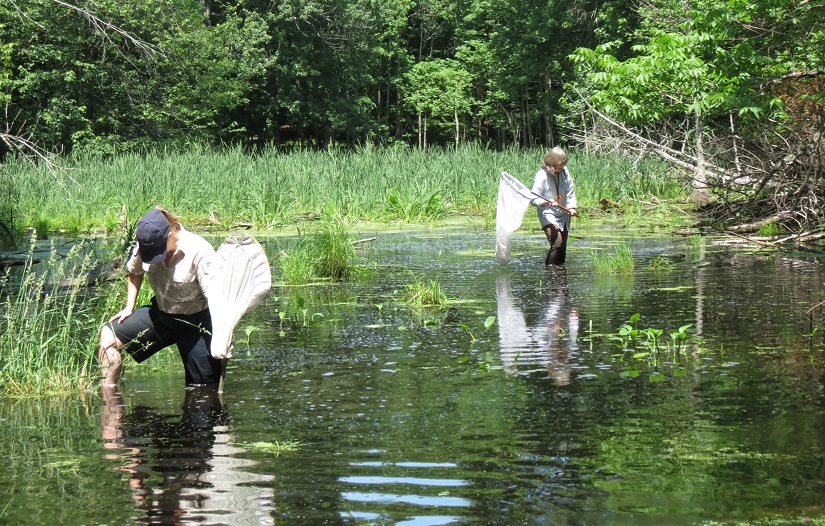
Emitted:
<point x="220" y="189"/>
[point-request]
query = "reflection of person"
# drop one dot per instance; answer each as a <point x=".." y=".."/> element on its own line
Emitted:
<point x="551" y="343"/>
<point x="554" y="183"/>
<point x="182" y="467"/>
<point x="176" y="263"/>
<point x="559" y="328"/>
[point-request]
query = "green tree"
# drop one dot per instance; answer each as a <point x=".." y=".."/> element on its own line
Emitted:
<point x="720" y="70"/>
<point x="438" y="90"/>
<point x="127" y="74"/>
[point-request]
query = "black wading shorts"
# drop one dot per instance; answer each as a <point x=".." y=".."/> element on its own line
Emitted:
<point x="148" y="330"/>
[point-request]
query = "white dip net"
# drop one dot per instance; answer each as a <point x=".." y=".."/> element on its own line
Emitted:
<point x="241" y="281"/>
<point x="513" y="200"/>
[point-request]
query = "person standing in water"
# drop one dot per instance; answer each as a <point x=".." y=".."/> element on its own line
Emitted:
<point x="177" y="264"/>
<point x="557" y="204"/>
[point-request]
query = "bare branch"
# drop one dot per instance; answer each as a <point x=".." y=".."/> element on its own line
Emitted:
<point x="104" y="27"/>
<point x="35" y="155"/>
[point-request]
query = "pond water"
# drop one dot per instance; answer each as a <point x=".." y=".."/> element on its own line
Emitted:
<point x="390" y="417"/>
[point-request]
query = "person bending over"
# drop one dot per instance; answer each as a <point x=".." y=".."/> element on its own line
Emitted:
<point x="177" y="264"/>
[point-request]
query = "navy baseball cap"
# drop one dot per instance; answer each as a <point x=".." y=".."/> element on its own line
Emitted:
<point x="151" y="232"/>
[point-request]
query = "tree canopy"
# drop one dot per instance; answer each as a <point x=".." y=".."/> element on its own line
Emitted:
<point x="729" y="91"/>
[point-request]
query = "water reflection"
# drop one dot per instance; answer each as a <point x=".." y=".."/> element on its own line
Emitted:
<point x="548" y="345"/>
<point x="183" y="468"/>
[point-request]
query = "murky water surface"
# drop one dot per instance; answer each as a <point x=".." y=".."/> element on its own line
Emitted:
<point x="387" y="417"/>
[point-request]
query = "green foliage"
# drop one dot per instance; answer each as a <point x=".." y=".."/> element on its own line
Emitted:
<point x="707" y="61"/>
<point x="275" y="449"/>
<point x="439" y="89"/>
<point x="416" y="207"/>
<point x="271" y="189"/>
<point x="770" y="230"/>
<point x="661" y="263"/>
<point x="619" y="262"/>
<point x="326" y="253"/>
<point x="50" y="323"/>
<point x="332" y="249"/>
<point x="114" y="76"/>
<point x="10" y="232"/>
<point x="646" y="343"/>
<point x="117" y="75"/>
<point x="424" y="294"/>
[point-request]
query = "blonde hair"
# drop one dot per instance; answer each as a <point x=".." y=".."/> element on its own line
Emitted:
<point x="174" y="220"/>
<point x="554" y="158"/>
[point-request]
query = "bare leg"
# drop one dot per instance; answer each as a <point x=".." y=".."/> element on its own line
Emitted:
<point x="111" y="359"/>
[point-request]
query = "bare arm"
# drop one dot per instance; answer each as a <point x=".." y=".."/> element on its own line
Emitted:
<point x="132" y="289"/>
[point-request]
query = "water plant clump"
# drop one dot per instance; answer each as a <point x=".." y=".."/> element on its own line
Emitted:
<point x="619" y="262"/>
<point x="49" y="322"/>
<point x="422" y="294"/>
<point x="276" y="448"/>
<point x="325" y="253"/>
<point x="648" y="344"/>
<point x="661" y="263"/>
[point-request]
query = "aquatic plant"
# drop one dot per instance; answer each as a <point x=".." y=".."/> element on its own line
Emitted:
<point x="41" y="227"/>
<point x="273" y="448"/>
<point x="652" y="336"/>
<point x="425" y="294"/>
<point x="467" y="328"/>
<point x="661" y="263"/>
<point x="49" y="323"/>
<point x="647" y="343"/>
<point x="248" y="331"/>
<point x="332" y="249"/>
<point x="680" y="337"/>
<point x="489" y="322"/>
<point x="414" y="206"/>
<point x="627" y="332"/>
<point x="325" y="253"/>
<point x="276" y="187"/>
<point x="619" y="262"/>
<point x="297" y="267"/>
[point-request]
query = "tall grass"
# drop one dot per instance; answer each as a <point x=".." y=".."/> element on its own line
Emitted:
<point x="273" y="188"/>
<point x="49" y="323"/>
<point x="619" y="262"/>
<point x="326" y="252"/>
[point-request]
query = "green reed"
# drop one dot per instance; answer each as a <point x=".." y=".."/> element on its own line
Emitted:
<point x="618" y="262"/>
<point x="326" y="252"/>
<point x="273" y="188"/>
<point x="423" y="294"/>
<point x="49" y="323"/>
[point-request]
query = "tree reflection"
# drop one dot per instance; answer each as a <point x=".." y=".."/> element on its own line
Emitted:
<point x="549" y="344"/>
<point x="183" y="467"/>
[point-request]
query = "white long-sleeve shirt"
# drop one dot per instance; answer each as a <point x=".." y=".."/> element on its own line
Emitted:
<point x="554" y="187"/>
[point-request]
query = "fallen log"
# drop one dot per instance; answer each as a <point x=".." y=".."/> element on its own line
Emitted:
<point x="754" y="227"/>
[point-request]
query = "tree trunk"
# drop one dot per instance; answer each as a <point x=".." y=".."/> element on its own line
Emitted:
<point x="457" y="130"/>
<point x="399" y="132"/>
<point x="420" y="131"/>
<point x="700" y="179"/>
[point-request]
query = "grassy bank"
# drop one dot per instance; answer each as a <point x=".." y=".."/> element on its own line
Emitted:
<point x="273" y="189"/>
